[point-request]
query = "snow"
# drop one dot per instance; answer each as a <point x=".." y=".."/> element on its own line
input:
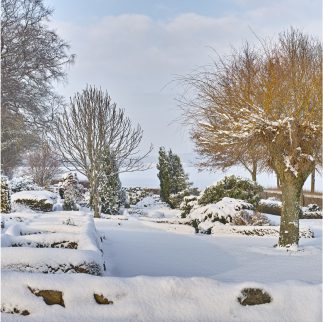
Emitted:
<point x="159" y="299"/>
<point x="289" y="166"/>
<point x="44" y="230"/>
<point x="158" y="270"/>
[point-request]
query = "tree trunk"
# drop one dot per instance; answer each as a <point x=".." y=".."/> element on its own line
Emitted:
<point x="94" y="199"/>
<point x="278" y="181"/>
<point x="289" y="225"/>
<point x="313" y="181"/>
<point x="254" y="172"/>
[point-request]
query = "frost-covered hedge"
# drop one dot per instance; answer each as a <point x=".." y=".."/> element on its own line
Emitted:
<point x="270" y="206"/>
<point x="35" y="200"/>
<point x="232" y="187"/>
<point x="312" y="211"/>
<point x="273" y="206"/>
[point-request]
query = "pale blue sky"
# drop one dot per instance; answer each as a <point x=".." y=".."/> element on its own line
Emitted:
<point x="134" y="48"/>
<point x="85" y="11"/>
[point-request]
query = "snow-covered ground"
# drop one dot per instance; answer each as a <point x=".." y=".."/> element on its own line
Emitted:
<point x="134" y="248"/>
<point x="165" y="272"/>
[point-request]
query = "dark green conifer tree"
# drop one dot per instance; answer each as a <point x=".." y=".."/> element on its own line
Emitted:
<point x="163" y="174"/>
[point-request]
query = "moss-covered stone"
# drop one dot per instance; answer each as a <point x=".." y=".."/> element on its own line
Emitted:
<point x="254" y="296"/>
<point x="101" y="299"/>
<point x="50" y="297"/>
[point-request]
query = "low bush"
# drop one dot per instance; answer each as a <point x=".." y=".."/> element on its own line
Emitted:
<point x="312" y="211"/>
<point x="35" y="200"/>
<point x="175" y="200"/>
<point x="233" y="187"/>
<point x="187" y="205"/>
<point x="39" y="205"/>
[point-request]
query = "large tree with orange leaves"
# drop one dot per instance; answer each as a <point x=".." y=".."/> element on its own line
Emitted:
<point x="266" y="103"/>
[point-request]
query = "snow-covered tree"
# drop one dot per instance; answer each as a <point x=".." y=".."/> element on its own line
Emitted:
<point x="110" y="188"/>
<point x="92" y="124"/>
<point x="178" y="178"/>
<point x="73" y="191"/>
<point x="5" y="205"/>
<point x="270" y="98"/>
<point x="173" y="180"/>
<point x="163" y="174"/>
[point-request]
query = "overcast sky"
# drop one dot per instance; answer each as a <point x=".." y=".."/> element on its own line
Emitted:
<point x="135" y="48"/>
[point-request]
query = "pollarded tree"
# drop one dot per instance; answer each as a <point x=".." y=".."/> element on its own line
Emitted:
<point x="92" y="125"/>
<point x="269" y="98"/>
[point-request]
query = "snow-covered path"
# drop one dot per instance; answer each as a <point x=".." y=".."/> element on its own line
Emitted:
<point x="132" y="248"/>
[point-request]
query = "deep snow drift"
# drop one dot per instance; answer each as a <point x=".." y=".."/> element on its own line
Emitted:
<point x="165" y="272"/>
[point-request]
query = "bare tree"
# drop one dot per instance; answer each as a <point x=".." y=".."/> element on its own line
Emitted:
<point x="32" y="58"/>
<point x="92" y="125"/>
<point x="43" y="165"/>
<point x="268" y="98"/>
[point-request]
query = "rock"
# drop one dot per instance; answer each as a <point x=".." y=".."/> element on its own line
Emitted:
<point x="50" y="297"/>
<point x="254" y="296"/>
<point x="100" y="299"/>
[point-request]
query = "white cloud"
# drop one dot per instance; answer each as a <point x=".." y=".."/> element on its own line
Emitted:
<point x="134" y="57"/>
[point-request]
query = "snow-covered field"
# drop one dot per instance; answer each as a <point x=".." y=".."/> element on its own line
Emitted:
<point x="161" y="271"/>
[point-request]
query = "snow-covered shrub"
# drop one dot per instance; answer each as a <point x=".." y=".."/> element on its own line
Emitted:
<point x="135" y="194"/>
<point x="312" y="211"/>
<point x="175" y="200"/>
<point x="5" y="205"/>
<point x="24" y="183"/>
<point x="227" y="211"/>
<point x="244" y="218"/>
<point x="223" y="211"/>
<point x="187" y="205"/>
<point x="36" y="200"/>
<point x="72" y="191"/>
<point x="232" y="187"/>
